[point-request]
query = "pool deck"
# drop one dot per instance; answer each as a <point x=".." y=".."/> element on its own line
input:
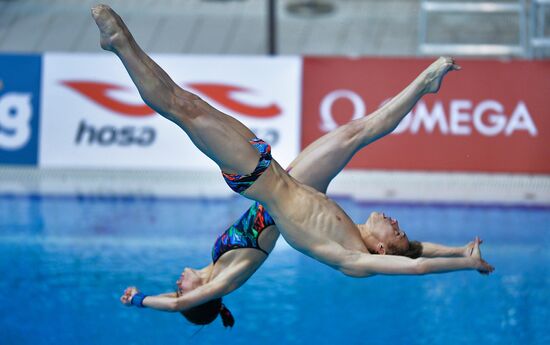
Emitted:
<point x="371" y="186"/>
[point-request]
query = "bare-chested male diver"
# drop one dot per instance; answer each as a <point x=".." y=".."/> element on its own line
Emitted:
<point x="307" y="218"/>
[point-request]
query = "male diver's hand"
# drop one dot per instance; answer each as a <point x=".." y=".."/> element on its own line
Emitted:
<point x="468" y="249"/>
<point x="481" y="265"/>
<point x="126" y="298"/>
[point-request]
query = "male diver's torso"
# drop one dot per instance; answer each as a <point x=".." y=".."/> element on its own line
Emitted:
<point x="302" y="214"/>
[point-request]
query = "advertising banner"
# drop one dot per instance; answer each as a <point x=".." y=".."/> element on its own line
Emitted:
<point x="19" y="105"/>
<point x="490" y="117"/>
<point x="93" y="116"/>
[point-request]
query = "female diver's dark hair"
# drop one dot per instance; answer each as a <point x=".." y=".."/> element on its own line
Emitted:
<point x="207" y="312"/>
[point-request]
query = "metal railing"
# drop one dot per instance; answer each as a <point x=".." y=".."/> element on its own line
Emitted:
<point x="432" y="7"/>
<point x="538" y="39"/>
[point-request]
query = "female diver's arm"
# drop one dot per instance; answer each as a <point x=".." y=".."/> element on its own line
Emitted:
<point x="186" y="301"/>
<point x="170" y="302"/>
<point x="226" y="282"/>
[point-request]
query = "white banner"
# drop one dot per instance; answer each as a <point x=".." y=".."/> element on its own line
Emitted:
<point x="93" y="116"/>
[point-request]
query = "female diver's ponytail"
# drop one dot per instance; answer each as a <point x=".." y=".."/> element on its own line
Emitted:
<point x="205" y="313"/>
<point x="227" y="318"/>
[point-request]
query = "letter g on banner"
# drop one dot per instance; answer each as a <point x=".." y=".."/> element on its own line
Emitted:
<point x="19" y="108"/>
<point x="15" y="120"/>
<point x="327" y="120"/>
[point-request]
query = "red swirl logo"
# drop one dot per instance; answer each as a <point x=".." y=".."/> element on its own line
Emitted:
<point x="222" y="94"/>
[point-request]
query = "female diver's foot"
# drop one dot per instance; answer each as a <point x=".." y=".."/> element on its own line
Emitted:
<point x="113" y="31"/>
<point x="436" y="72"/>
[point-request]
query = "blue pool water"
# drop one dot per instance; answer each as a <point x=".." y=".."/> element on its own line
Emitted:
<point x="66" y="260"/>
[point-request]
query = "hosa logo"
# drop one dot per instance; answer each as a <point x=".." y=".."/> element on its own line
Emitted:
<point x="110" y="135"/>
<point x="15" y="120"/>
<point x="457" y="118"/>
<point x="228" y="96"/>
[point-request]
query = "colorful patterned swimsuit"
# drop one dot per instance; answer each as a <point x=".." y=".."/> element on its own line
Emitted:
<point x="240" y="183"/>
<point x="244" y="232"/>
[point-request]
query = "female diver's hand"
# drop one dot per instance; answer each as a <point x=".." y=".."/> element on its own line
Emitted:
<point x="481" y="265"/>
<point x="126" y="298"/>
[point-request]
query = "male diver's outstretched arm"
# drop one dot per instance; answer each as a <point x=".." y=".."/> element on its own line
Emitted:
<point x="435" y="250"/>
<point x="361" y="265"/>
<point x="432" y="250"/>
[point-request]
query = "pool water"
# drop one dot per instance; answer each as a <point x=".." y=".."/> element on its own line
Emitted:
<point x="66" y="260"/>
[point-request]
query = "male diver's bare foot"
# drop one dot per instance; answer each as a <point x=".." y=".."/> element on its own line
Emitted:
<point x="113" y="31"/>
<point x="437" y="70"/>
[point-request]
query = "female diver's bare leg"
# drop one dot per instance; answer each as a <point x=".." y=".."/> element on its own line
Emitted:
<point x="323" y="159"/>
<point x="219" y="136"/>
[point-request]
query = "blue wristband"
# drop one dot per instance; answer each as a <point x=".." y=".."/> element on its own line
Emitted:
<point x="137" y="300"/>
